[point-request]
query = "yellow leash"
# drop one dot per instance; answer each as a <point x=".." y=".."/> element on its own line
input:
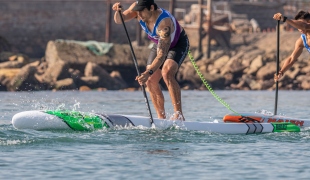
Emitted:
<point x="207" y="84"/>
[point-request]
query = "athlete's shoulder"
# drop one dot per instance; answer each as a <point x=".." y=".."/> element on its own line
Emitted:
<point x="300" y="40"/>
<point x="165" y="23"/>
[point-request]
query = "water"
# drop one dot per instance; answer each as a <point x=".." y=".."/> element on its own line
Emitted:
<point x="153" y="154"/>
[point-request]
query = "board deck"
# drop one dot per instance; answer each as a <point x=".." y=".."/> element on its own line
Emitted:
<point x="264" y="118"/>
<point x="83" y="121"/>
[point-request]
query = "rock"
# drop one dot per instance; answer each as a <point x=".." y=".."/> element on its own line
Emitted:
<point x="305" y="85"/>
<point x="255" y="65"/>
<point x="267" y="71"/>
<point x="216" y="81"/>
<point x="25" y="79"/>
<point x="302" y="78"/>
<point x="305" y="70"/>
<point x="15" y="61"/>
<point x="9" y="72"/>
<point x="65" y="84"/>
<point x="220" y="62"/>
<point x="12" y="58"/>
<point x="292" y="74"/>
<point x="250" y="64"/>
<point x="187" y="74"/>
<point x="84" y="88"/>
<point x="249" y="56"/>
<point x="11" y="64"/>
<point x="77" y="55"/>
<point x="118" y="77"/>
<point x="54" y="72"/>
<point x="92" y="82"/>
<point x="233" y="66"/>
<point x="6" y="56"/>
<point x="119" y="57"/>
<point x="75" y="74"/>
<point x="105" y="80"/>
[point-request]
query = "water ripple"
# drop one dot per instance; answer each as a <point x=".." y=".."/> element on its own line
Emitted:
<point x="142" y="153"/>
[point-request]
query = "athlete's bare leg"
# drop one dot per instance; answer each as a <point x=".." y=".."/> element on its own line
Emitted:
<point x="169" y="71"/>
<point x="157" y="94"/>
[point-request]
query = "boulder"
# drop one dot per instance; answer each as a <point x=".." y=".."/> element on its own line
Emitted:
<point x="25" y="79"/>
<point x="267" y="71"/>
<point x="65" y="84"/>
<point x="255" y="65"/>
<point x="75" y="54"/>
<point x="104" y="78"/>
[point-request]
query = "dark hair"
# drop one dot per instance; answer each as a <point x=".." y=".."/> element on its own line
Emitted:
<point x="302" y="15"/>
<point x="299" y="15"/>
<point x="155" y="6"/>
<point x="307" y="15"/>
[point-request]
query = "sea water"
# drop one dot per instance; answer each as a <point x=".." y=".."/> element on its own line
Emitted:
<point x="153" y="154"/>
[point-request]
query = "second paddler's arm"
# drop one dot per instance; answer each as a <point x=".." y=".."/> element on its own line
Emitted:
<point x="298" y="24"/>
<point x="295" y="23"/>
<point x="289" y="61"/>
<point x="128" y="14"/>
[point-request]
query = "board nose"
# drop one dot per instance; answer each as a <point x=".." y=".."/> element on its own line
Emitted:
<point x="18" y="120"/>
<point x="37" y="120"/>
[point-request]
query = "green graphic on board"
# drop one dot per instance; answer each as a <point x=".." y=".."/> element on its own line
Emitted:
<point x="285" y="127"/>
<point x="80" y="121"/>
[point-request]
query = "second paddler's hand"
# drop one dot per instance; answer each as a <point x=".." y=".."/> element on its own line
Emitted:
<point x="277" y="16"/>
<point x="143" y="78"/>
<point x="278" y="76"/>
<point x="117" y="6"/>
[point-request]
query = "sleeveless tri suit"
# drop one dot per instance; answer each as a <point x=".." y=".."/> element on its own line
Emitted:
<point x="179" y="40"/>
<point x="304" y="39"/>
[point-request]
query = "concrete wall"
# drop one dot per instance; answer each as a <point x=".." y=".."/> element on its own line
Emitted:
<point x="29" y="24"/>
<point x="262" y="12"/>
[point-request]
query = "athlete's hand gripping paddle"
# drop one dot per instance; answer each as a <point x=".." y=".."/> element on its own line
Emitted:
<point x="138" y="72"/>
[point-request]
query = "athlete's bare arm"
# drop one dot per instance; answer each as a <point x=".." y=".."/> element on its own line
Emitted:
<point x="298" y="24"/>
<point x="128" y="14"/>
<point x="288" y="63"/>
<point x="164" y="31"/>
<point x="295" y="23"/>
<point x="294" y="56"/>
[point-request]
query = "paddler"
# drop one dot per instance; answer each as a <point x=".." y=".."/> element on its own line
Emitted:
<point x="170" y="48"/>
<point x="302" y="23"/>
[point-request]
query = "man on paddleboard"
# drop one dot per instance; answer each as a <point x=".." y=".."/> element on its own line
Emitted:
<point x="302" y="23"/>
<point x="167" y="54"/>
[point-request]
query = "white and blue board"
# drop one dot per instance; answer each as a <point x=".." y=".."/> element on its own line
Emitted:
<point x="82" y="121"/>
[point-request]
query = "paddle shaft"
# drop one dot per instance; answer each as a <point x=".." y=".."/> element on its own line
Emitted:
<point x="277" y="71"/>
<point x="138" y="72"/>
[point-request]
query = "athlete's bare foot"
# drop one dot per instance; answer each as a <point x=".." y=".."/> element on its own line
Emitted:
<point x="177" y="116"/>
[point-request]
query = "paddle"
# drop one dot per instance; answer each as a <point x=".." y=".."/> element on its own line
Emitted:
<point x="278" y="51"/>
<point x="138" y="72"/>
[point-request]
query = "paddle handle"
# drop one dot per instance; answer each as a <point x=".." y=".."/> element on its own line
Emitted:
<point x="137" y="68"/>
<point x="277" y="71"/>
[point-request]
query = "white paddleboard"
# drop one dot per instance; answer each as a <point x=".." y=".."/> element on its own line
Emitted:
<point x="63" y="120"/>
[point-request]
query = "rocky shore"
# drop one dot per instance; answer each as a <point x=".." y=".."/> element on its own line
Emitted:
<point x="67" y="65"/>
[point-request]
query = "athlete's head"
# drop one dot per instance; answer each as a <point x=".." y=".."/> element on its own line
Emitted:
<point x="142" y="4"/>
<point x="303" y="16"/>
